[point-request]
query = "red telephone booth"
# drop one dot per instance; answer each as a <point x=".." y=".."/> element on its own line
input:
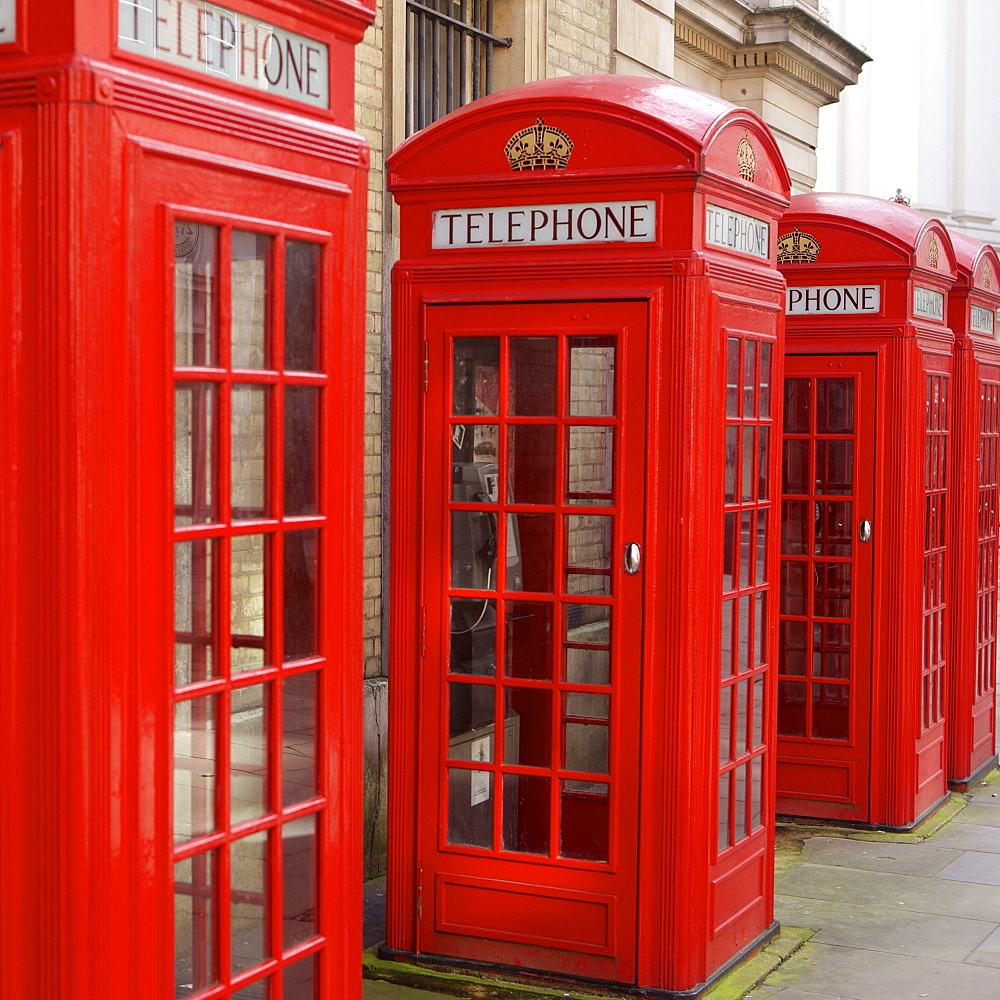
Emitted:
<point x="865" y="532"/>
<point x="182" y="202"/>
<point x="586" y="316"/>
<point x="975" y="487"/>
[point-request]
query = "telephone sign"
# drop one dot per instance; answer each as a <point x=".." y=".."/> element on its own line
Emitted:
<point x="833" y="299"/>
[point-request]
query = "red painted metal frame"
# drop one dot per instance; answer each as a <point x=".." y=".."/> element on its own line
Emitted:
<point x="635" y="139"/>
<point x="868" y="241"/>
<point x="975" y="492"/>
<point x="92" y="146"/>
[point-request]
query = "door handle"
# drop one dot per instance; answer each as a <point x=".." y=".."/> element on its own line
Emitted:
<point x="633" y="558"/>
<point x="865" y="531"/>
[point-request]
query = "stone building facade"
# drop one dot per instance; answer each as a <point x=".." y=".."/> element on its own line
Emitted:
<point x="780" y="58"/>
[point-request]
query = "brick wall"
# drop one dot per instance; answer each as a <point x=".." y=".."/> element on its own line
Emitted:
<point x="578" y="37"/>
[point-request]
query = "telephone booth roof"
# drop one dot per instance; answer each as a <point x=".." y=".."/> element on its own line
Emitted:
<point x="978" y="264"/>
<point x="617" y="126"/>
<point x="976" y="292"/>
<point x="859" y="229"/>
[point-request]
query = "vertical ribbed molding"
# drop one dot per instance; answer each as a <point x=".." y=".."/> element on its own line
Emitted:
<point x="75" y="497"/>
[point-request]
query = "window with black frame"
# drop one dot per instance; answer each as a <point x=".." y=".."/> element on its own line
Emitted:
<point x="450" y="46"/>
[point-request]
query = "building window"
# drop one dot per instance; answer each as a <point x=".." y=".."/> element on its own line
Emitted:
<point x="449" y="56"/>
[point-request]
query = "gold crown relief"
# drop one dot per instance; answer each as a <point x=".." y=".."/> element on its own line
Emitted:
<point x="987" y="275"/>
<point x="798" y="248"/>
<point x="932" y="251"/>
<point x="539" y="147"/>
<point x="746" y="158"/>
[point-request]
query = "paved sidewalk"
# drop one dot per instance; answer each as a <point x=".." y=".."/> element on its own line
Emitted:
<point x="893" y="921"/>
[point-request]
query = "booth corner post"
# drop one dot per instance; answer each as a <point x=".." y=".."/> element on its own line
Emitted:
<point x="971" y="693"/>
<point x="869" y="468"/>
<point x="182" y="202"/>
<point x="587" y="334"/>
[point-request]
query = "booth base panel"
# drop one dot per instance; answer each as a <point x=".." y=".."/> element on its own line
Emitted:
<point x="461" y="977"/>
<point x="939" y="813"/>
<point x="964" y="784"/>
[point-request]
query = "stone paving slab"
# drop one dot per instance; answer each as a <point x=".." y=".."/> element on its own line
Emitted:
<point x="980" y="814"/>
<point x="858" y="974"/>
<point x="895" y="931"/>
<point x="973" y="866"/>
<point x="901" y="859"/>
<point x="905" y="891"/>
<point x="969" y="837"/>
<point x="766" y="992"/>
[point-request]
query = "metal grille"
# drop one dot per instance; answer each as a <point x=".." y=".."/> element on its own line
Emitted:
<point x="449" y="56"/>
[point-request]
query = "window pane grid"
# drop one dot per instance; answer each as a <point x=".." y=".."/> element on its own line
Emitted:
<point x="234" y="583"/>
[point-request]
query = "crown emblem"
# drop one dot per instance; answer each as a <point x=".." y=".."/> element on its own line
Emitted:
<point x="798" y="248"/>
<point x="932" y="251"/>
<point x="539" y="147"/>
<point x="987" y="274"/>
<point x="746" y="159"/>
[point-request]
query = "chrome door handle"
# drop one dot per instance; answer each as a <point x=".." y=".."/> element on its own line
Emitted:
<point x="865" y="531"/>
<point x="633" y="558"/>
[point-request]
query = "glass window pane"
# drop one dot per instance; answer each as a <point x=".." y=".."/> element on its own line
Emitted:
<point x="526" y="813"/>
<point x="740" y="802"/>
<point x="528" y="727"/>
<point x="474" y="542"/>
<point x="730" y="550"/>
<point x="742" y="714"/>
<point x="196" y="256"/>
<point x="797" y="405"/>
<point x="529" y="640"/>
<point x="260" y="989"/>
<point x="588" y="666"/>
<point x="470" y="808"/>
<point x="585" y="822"/>
<point x="761" y="558"/>
<point x="592" y="376"/>
<point x="834" y="528"/>
<point x="298" y="738"/>
<point x="733" y="369"/>
<point x="248" y="752"/>
<point x="744" y="645"/>
<point x="588" y="624"/>
<point x="298" y="881"/>
<point x="834" y="406"/>
<point x="791" y="708"/>
<point x="591" y="465"/>
<point x="835" y="467"/>
<point x="476" y="386"/>
<point x="533" y="376"/>
<point x="473" y="630"/>
<point x="732" y="461"/>
<point x="756" y="767"/>
<point x="530" y="547"/>
<point x="760" y="627"/>
<point x="247" y="585"/>
<point x="301" y="450"/>
<point x="832" y="590"/>
<point x="194" y="767"/>
<point x="793" y="588"/>
<point x="301" y="567"/>
<point x="749" y="465"/>
<point x="194" y="924"/>
<point x="792" y="651"/>
<point x="586" y="747"/>
<point x="475" y="475"/>
<point x="249" y="451"/>
<point x="302" y="309"/>
<point x="795" y="466"/>
<point x="194" y="444"/>
<point x="726" y="724"/>
<point x="588" y="554"/>
<point x="193" y="633"/>
<point x="832" y="650"/>
<point x="299" y="980"/>
<point x="763" y="460"/>
<point x="765" y="381"/>
<point x="795" y="516"/>
<point x="587" y="705"/>
<point x="749" y="377"/>
<point x="532" y="458"/>
<point x="250" y="298"/>
<point x="746" y="547"/>
<point x="831" y="711"/>
<point x="757" y="736"/>
<point x="249" y="890"/>
<point x="725" y="836"/>
<point x="471" y="721"/>
<point x="728" y="637"/>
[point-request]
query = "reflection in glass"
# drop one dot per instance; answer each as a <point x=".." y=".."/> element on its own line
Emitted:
<point x="586" y="747"/>
<point x="302" y="308"/>
<point x="733" y="369"/>
<point x="585" y="824"/>
<point x="587" y="705"/>
<point x="831" y="715"/>
<point x="588" y="554"/>
<point x="474" y="542"/>
<point x="299" y="979"/>
<point x="247" y="586"/>
<point x="249" y="451"/>
<point x="742" y="711"/>
<point x="756" y="766"/>
<point x="250" y="295"/>
<point x="533" y="709"/>
<point x="728" y="611"/>
<point x="757" y="737"/>
<point x="834" y="406"/>
<point x="761" y="558"/>
<point x="260" y="989"/>
<point x="193" y="611"/>
<point x="301" y="565"/>
<point x="763" y="462"/>
<point x="795" y="527"/>
<point x="793" y="588"/>
<point x="473" y="628"/>
<point x="588" y="623"/>
<point x="592" y="376"/>
<point x="740" y="803"/>
<point x="749" y="377"/>
<point x="746" y="547"/>
<point x="590" y="465"/>
<point x="194" y="468"/>
<point x="248" y="753"/>
<point x="797" y="400"/>
<point x="470" y="807"/>
<point x="832" y="591"/>
<point x="301" y="450"/>
<point x="792" y="648"/>
<point x="194" y="924"/>
<point x="744" y="644"/>
<point x="726" y="724"/>
<point x="530" y="547"/>
<point x="747" y="470"/>
<point x="532" y="458"/>
<point x="476" y="386"/>
<point x="526" y="813"/>
<point x="765" y="381"/>
<point x="835" y="467"/>
<point x="791" y="708"/>
<point x="529" y="640"/>
<point x="832" y="650"/>
<point x="834" y="528"/>
<point x="248" y="913"/>
<point x="730" y="550"/>
<point x="298" y="880"/>
<point x="533" y="376"/>
<point x="725" y="836"/>
<point x="588" y="666"/>
<point x="471" y="721"/>
<point x="195" y="269"/>
<point x="732" y="461"/>
<point x="760" y="627"/>
<point x="298" y="738"/>
<point x="194" y="768"/>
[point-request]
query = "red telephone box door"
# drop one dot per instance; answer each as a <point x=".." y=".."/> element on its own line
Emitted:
<point x="533" y="466"/>
<point x="825" y="638"/>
